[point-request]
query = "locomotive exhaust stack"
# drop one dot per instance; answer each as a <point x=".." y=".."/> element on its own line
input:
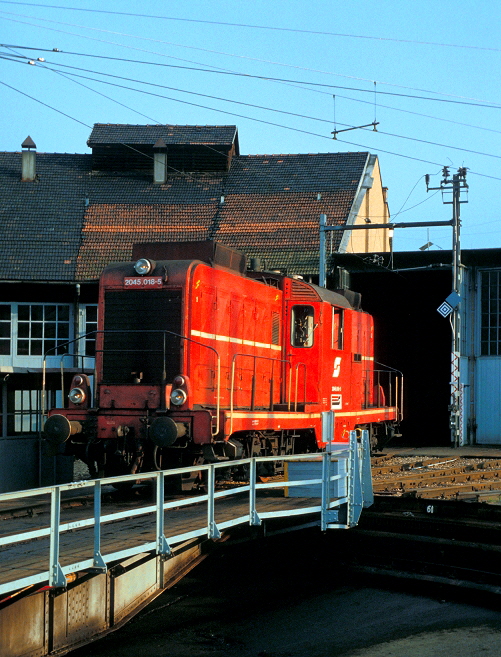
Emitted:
<point x="199" y="360"/>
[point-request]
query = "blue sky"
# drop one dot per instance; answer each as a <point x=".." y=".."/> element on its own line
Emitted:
<point x="441" y="59"/>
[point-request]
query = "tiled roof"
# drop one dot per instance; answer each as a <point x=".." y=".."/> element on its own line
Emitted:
<point x="295" y="173"/>
<point x="107" y="133"/>
<point x="72" y="220"/>
<point x="110" y="230"/>
<point x="41" y="221"/>
<point x="281" y="228"/>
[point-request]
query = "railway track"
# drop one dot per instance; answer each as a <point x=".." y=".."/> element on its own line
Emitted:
<point x="435" y="522"/>
<point x="393" y="476"/>
<point x="459" y="478"/>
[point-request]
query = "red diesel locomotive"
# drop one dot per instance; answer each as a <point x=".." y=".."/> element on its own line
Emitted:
<point x="197" y="358"/>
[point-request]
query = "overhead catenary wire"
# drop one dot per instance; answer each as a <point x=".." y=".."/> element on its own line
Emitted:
<point x="46" y="65"/>
<point x="409" y="157"/>
<point x="250" y="26"/>
<point x="271" y="123"/>
<point x="228" y="72"/>
<point x="211" y="51"/>
<point x="377" y="105"/>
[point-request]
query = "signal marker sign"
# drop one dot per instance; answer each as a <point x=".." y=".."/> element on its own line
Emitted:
<point x="445" y="309"/>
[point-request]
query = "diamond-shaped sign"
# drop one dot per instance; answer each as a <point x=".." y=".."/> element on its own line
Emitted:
<point x="445" y="310"/>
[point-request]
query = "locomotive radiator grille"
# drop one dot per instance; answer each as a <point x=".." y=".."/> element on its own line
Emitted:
<point x="130" y="346"/>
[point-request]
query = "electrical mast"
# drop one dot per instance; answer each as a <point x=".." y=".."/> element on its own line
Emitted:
<point x="450" y="306"/>
<point x="454" y="186"/>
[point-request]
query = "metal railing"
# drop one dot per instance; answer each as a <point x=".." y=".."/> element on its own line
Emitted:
<point x="340" y="489"/>
<point x="292" y="390"/>
<point x="384" y="388"/>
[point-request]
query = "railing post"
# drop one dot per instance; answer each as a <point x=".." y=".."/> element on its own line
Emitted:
<point x="366" y="472"/>
<point x="99" y="563"/>
<point x="56" y="575"/>
<point x="351" y="477"/>
<point x="212" y="530"/>
<point x="355" y="495"/>
<point x="163" y="547"/>
<point x="254" y="519"/>
<point x="253" y="386"/>
<point x="326" y="460"/>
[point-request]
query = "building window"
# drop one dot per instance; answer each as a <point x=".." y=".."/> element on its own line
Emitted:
<point x="23" y="401"/>
<point x="5" y="329"/>
<point x="490" y="300"/>
<point x="90" y="327"/>
<point x="302" y="326"/>
<point x="26" y="411"/>
<point x="42" y="327"/>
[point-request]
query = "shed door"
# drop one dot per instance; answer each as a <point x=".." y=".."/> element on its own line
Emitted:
<point x="488" y="401"/>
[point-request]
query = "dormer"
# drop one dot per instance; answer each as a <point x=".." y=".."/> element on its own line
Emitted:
<point x="187" y="148"/>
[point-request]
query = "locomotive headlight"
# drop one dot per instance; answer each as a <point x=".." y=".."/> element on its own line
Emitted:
<point x="178" y="397"/>
<point x="144" y="266"/>
<point x="76" y="396"/>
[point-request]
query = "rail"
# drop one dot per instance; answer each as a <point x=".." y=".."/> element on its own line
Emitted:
<point x="337" y="491"/>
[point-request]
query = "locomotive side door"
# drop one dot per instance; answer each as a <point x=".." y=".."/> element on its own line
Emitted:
<point x="303" y="344"/>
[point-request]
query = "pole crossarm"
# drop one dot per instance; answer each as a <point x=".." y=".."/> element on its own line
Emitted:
<point x="390" y="226"/>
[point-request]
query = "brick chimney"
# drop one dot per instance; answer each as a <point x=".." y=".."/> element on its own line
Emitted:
<point x="160" y="162"/>
<point x="28" y="162"/>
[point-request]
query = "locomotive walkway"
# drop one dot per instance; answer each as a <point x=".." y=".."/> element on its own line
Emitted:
<point x="86" y="572"/>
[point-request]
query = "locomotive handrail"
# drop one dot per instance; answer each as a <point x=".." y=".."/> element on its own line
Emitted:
<point x="214" y="430"/>
<point x="298" y="365"/>
<point x="393" y="384"/>
<point x="399" y="388"/>
<point x="232" y="381"/>
<point x="399" y="394"/>
<point x="44" y="366"/>
<point x="331" y="484"/>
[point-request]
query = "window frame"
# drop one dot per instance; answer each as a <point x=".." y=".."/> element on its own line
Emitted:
<point x="489" y="308"/>
<point x="309" y="342"/>
<point x="18" y="328"/>
<point x="337" y="335"/>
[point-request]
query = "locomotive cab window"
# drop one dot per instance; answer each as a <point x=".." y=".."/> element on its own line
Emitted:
<point x="337" y="327"/>
<point x="302" y="326"/>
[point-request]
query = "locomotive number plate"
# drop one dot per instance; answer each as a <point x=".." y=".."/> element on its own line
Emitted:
<point x="143" y="281"/>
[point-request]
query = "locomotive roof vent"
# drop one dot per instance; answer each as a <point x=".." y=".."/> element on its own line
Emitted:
<point x="256" y="264"/>
<point x="213" y="253"/>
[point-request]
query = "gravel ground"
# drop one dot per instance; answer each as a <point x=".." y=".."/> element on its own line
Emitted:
<point x="80" y="471"/>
